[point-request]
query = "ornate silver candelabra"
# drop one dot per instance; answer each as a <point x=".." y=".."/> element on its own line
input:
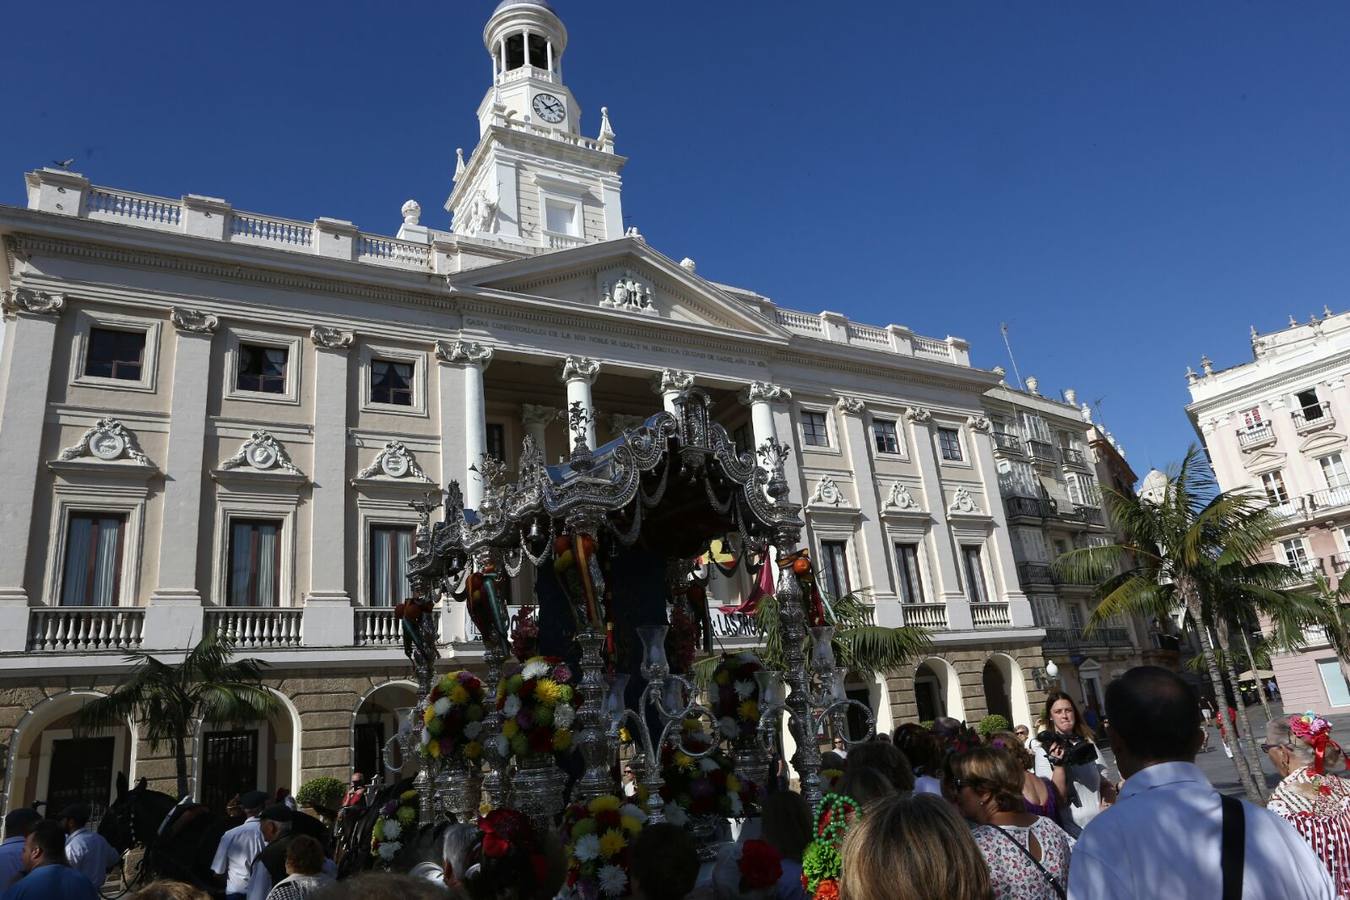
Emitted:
<point x="494" y="782"/>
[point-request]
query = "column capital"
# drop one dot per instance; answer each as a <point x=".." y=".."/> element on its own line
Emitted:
<point x="26" y="300"/>
<point x="464" y="353"/>
<point x="672" y="380"/>
<point x="918" y="415"/>
<point x="328" y="338"/>
<point x="192" y="321"/>
<point x="852" y="405"/>
<point x="980" y="424"/>
<point x="764" y="392"/>
<point x="580" y="368"/>
<point x="536" y="415"/>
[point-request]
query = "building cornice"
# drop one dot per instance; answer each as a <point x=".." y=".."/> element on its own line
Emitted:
<point x="1280" y="381"/>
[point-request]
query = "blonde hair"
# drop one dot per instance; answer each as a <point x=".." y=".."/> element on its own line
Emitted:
<point x="912" y="848"/>
<point x="1009" y="742"/>
<point x="993" y="770"/>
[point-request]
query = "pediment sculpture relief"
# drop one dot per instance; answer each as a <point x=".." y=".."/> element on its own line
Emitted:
<point x="394" y="461"/>
<point x="626" y="292"/>
<point x="107" y="440"/>
<point x="263" y="453"/>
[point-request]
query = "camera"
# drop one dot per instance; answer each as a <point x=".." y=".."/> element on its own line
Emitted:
<point x="1077" y="750"/>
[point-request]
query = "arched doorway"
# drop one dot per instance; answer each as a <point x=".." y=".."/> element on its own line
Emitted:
<point x="1014" y="688"/>
<point x="374" y="721"/>
<point x="50" y="761"/>
<point x="937" y="690"/>
<point x="997" y="699"/>
<point x="234" y="758"/>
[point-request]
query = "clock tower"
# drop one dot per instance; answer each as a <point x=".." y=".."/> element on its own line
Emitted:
<point x="534" y="179"/>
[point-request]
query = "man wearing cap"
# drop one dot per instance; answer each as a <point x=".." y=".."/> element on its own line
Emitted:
<point x="87" y="851"/>
<point x="240" y="846"/>
<point x="17" y="825"/>
<point x="270" y="866"/>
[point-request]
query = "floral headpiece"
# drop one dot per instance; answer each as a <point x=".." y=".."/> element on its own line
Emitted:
<point x="505" y="830"/>
<point x="821" y="862"/>
<point x="1314" y="731"/>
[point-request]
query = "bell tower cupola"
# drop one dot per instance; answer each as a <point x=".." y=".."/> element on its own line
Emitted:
<point x="526" y="40"/>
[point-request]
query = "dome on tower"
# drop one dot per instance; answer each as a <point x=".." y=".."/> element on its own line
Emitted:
<point x="1154" y="488"/>
<point x="506" y="4"/>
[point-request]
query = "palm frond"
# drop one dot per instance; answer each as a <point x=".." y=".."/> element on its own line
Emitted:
<point x="872" y="649"/>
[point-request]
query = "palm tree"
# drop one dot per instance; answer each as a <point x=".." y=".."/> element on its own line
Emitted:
<point x="859" y="645"/>
<point x="169" y="699"/>
<point x="1186" y="544"/>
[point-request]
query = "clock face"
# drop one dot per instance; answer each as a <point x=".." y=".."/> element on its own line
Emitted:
<point x="549" y="108"/>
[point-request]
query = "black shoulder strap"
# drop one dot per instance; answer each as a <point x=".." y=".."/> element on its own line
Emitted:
<point x="1054" y="882"/>
<point x="1234" y="846"/>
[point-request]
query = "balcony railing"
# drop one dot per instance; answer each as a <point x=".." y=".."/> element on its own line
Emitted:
<point x="1078" y="638"/>
<point x="1308" y="569"/>
<point x="85" y="628"/>
<point x="1339" y="562"/>
<point x="378" y="627"/>
<point x="264" y="627"/>
<point x="1313" y="418"/>
<point x="990" y="615"/>
<point x="1034" y="573"/>
<point x="1041" y="451"/>
<point x="1007" y="442"/>
<point x="932" y="616"/>
<point x="1029" y="507"/>
<point x="1072" y="456"/>
<point x="1331" y="498"/>
<point x="1089" y="514"/>
<point x="1255" y="436"/>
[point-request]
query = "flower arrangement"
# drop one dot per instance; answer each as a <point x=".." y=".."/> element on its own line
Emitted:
<point x="453" y="719"/>
<point x="395" y="817"/>
<point x="703" y="786"/>
<point x="735" y="701"/>
<point x="536" y="700"/>
<point x="598" y="837"/>
<point x="525" y="634"/>
<point x="509" y="841"/>
<point x="822" y="863"/>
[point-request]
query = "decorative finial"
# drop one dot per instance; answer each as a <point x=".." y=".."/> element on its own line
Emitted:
<point x="1191" y="377"/>
<point x="1207" y="365"/>
<point x="606" y="137"/>
<point x="1071" y="396"/>
<point x="1293" y="323"/>
<point x="1254" y="334"/>
<point x="688" y="264"/>
<point x="1000" y="372"/>
<point x="1085" y="412"/>
<point x="636" y="235"/>
<point x="1326" y="311"/>
<point x="412" y="212"/>
<point x="459" y="162"/>
<point x="1033" y="385"/>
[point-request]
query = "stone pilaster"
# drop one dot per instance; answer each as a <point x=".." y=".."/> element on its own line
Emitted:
<point x="328" y="617"/>
<point x="926" y="456"/>
<point x="578" y="373"/>
<point x="873" y="536"/>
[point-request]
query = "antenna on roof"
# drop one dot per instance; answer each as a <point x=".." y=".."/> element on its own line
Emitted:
<point x="1003" y="327"/>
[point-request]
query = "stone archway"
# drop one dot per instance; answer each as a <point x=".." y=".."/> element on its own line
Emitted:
<point x="997" y="697"/>
<point x="232" y="757"/>
<point x="1015" y="689"/>
<point x="374" y="721"/>
<point x="937" y="690"/>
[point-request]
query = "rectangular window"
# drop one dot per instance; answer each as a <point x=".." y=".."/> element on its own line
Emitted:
<point x="496" y="441"/>
<point x="1333" y="470"/>
<point x="949" y="440"/>
<point x="1308" y="404"/>
<point x="911" y="579"/>
<point x="560" y="217"/>
<point x="886" y="437"/>
<point x="1333" y="679"/>
<point x="115" y="354"/>
<point x="1083" y="490"/>
<point x="814" y="430"/>
<point x="262" y="369"/>
<point x="1273" y="482"/>
<point x="834" y="568"/>
<point x="391" y="382"/>
<point x="390" y="547"/>
<point x="254" y="578"/>
<point x="1251" y="418"/>
<point x="1035" y="428"/>
<point x="744" y="439"/>
<point x="1295" y="553"/>
<point x="976" y="589"/>
<point x="93" y="567"/>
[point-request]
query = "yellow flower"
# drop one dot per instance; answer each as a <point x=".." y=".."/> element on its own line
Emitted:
<point x="458" y="694"/>
<point x="407" y="797"/>
<point x="548" y="691"/>
<point x="473" y="750"/>
<point x="509" y="728"/>
<point x="612" y="843"/>
<point x="429" y="714"/>
<point x="605" y="803"/>
<point x="748" y="710"/>
<point x="733" y="784"/>
<point x="624" y="736"/>
<point x="630" y="824"/>
<point x="684" y="760"/>
<point x="562" y="739"/>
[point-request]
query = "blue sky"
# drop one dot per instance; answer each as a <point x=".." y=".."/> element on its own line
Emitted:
<point x="1128" y="186"/>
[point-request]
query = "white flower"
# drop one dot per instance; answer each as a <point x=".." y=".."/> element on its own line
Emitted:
<point x="708" y="764"/>
<point x="511" y="707"/>
<point x="675" y="815"/>
<point x="736" y="807"/>
<point x="629" y="809"/>
<point x="744" y="689"/>
<point x="587" y="848"/>
<point x="442" y="706"/>
<point x="502" y="745"/>
<point x="392" y="829"/>
<point x="535" y="670"/>
<point x="563" y="715"/>
<point x="727" y="725"/>
<point x="472" y="730"/>
<point x="613" y="881"/>
<point x="424" y="736"/>
<point x="389" y="849"/>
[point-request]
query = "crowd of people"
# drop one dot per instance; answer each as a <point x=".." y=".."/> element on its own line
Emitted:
<point x="926" y="813"/>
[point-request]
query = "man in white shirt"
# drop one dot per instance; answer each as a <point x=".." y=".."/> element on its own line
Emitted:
<point x="1163" y="836"/>
<point x="17" y="825"/>
<point x="87" y="851"/>
<point x="240" y="846"/>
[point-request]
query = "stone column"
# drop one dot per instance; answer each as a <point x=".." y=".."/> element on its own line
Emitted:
<point x="328" y="617"/>
<point x="761" y="396"/>
<point x="24" y="383"/>
<point x="175" y="610"/>
<point x="472" y="360"/>
<point x="860" y="460"/>
<point x="669" y="384"/>
<point x="536" y="420"/>
<point x="925" y="454"/>
<point x="578" y="373"/>
<point x="1019" y="607"/>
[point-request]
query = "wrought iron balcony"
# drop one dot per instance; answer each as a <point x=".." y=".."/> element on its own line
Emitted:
<point x="1089" y="514"/>
<point x="1034" y="573"/>
<point x="1029" y="508"/>
<point x="1041" y="451"/>
<point x="1261" y="435"/>
<point x="1007" y="442"/>
<point x="1313" y="418"/>
<point x="1073" y="457"/>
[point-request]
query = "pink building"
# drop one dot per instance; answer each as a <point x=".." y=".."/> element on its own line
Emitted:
<point x="1278" y="425"/>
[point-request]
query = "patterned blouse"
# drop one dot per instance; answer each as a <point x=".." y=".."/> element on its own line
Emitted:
<point x="1013" y="874"/>
<point x="1318" y="806"/>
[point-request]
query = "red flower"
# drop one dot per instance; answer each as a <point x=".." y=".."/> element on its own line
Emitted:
<point x="527" y="689"/>
<point x="761" y="866"/>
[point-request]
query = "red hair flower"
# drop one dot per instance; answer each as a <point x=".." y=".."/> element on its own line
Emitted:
<point x="761" y="866"/>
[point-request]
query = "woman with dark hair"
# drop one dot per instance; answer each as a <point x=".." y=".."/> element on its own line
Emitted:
<point x="1066" y="754"/>
<point x="512" y="861"/>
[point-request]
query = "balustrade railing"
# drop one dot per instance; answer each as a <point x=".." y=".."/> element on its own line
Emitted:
<point x="1004" y="440"/>
<point x="1331" y="498"/>
<point x="262" y="627"/>
<point x="990" y="615"/>
<point x="378" y="627"/>
<point x="798" y="321"/>
<point x="931" y="347"/>
<point x="263" y="230"/>
<point x="1255" y="436"/>
<point x="152" y="212"/>
<point x="932" y="616"/>
<point x="85" y="628"/>
<point x="868" y="334"/>
<point x="392" y="252"/>
<point x="1311" y="418"/>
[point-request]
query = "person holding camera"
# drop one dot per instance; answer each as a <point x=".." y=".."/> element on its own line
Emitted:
<point x="1065" y="753"/>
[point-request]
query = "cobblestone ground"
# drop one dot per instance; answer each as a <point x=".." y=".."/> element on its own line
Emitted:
<point x="1218" y="768"/>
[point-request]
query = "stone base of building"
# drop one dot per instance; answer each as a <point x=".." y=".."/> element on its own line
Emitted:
<point x="970" y="683"/>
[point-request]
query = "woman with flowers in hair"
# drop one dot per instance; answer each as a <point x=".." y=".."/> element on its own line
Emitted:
<point x="512" y="861"/>
<point x="1311" y="799"/>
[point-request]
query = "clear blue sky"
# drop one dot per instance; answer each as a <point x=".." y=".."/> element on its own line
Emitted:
<point x="1126" y="185"/>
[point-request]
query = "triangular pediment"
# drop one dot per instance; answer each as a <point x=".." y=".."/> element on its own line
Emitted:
<point x="623" y="277"/>
<point x="1322" y="442"/>
<point x="1263" y="460"/>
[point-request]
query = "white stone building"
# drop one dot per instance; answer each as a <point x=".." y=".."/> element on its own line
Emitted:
<point x="1277" y="426"/>
<point x="216" y="419"/>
